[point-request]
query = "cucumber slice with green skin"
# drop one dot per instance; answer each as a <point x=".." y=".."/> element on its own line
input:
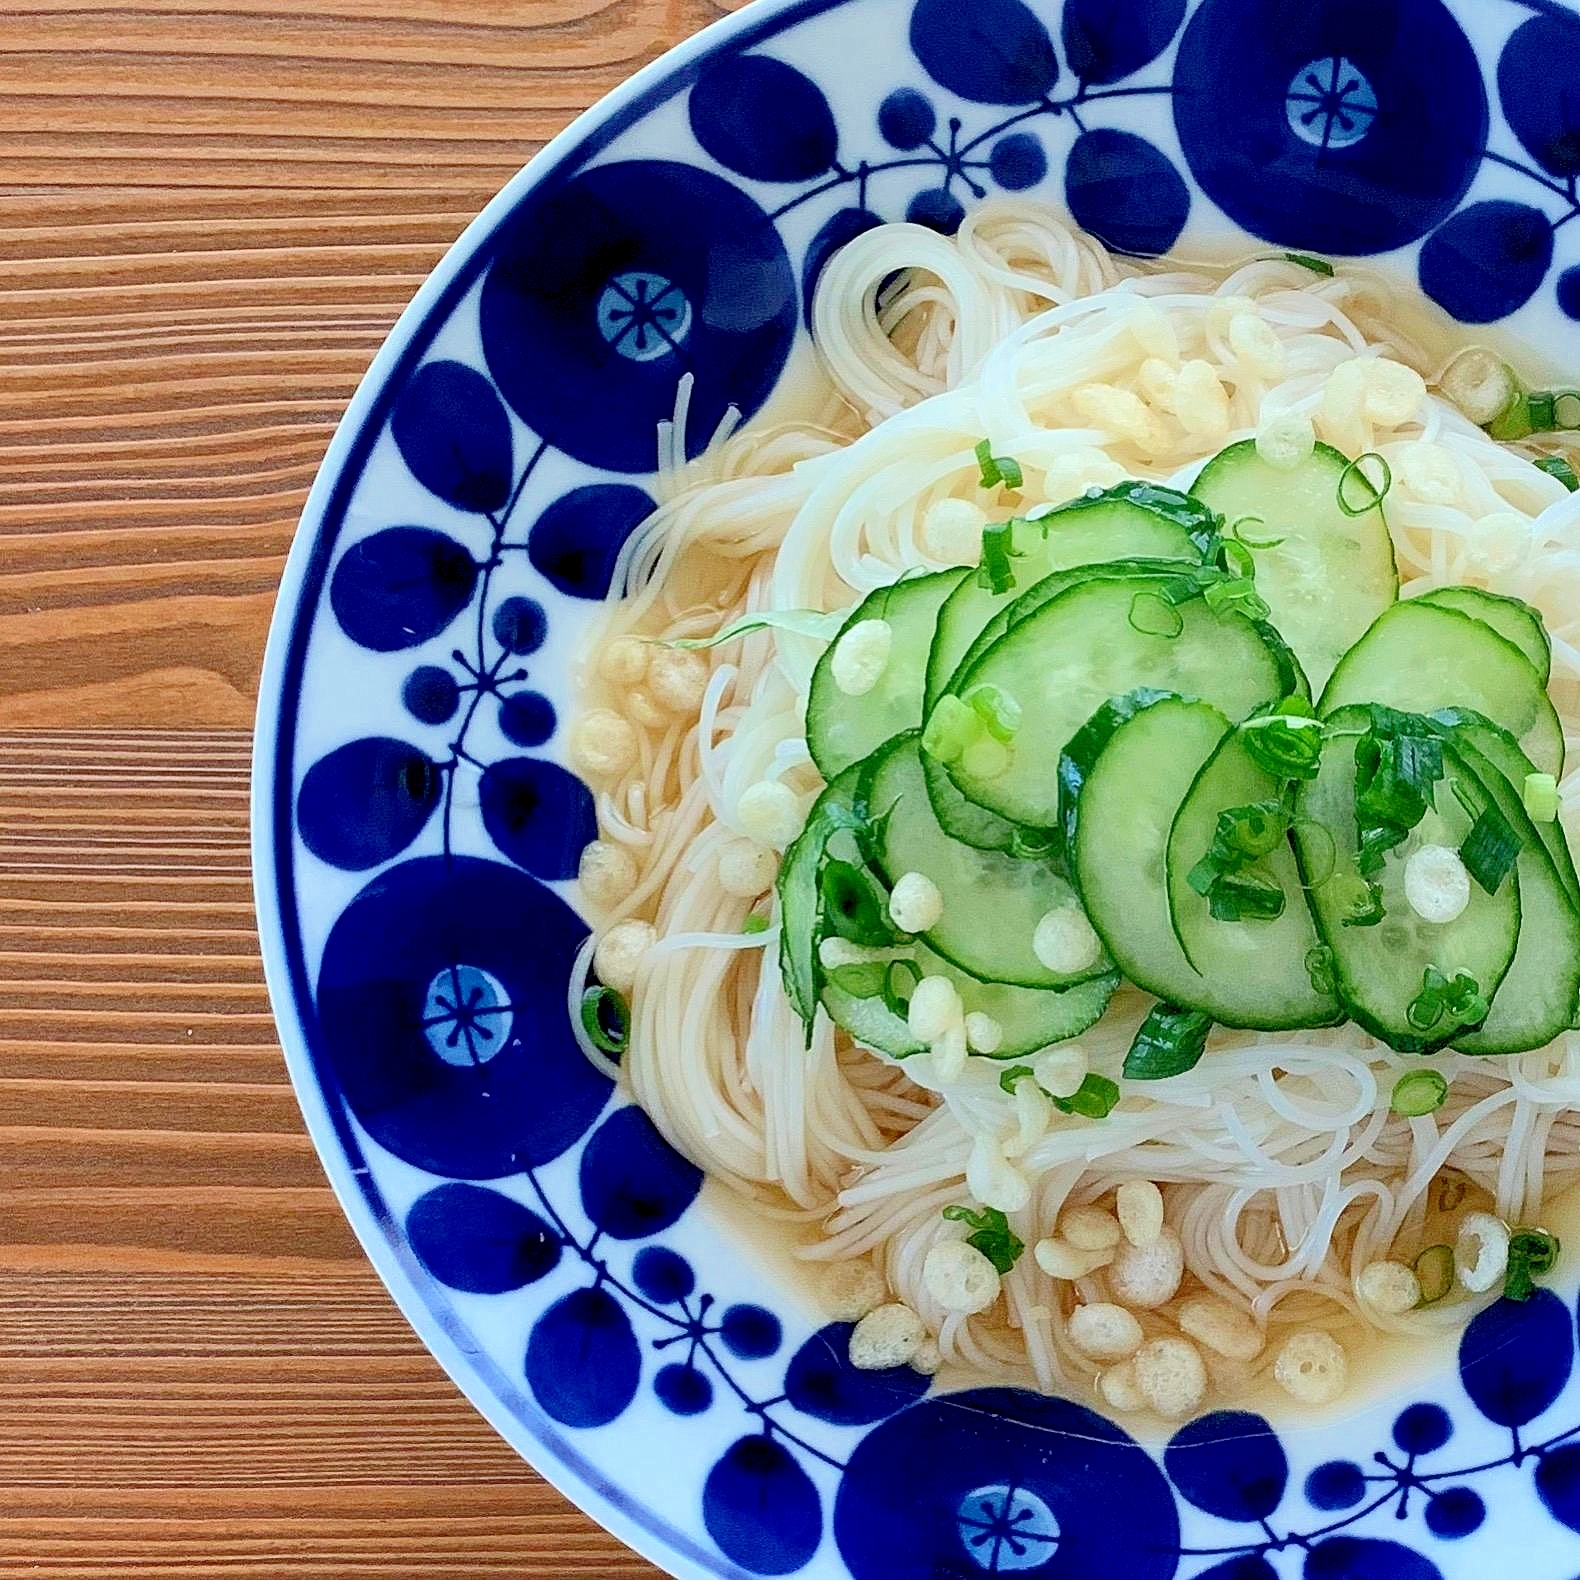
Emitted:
<point x="1253" y="972"/>
<point x="831" y="821"/>
<point x="842" y="730"/>
<point x="1537" y="998"/>
<point x="1332" y="574"/>
<point x="1081" y="649"/>
<point x="1130" y="521"/>
<point x="1419" y="657"/>
<point x="1513" y="620"/>
<point x="961" y="819"/>
<point x="1122" y="779"/>
<point x="1379" y="969"/>
<point x="992" y="901"/>
<point x="1031" y="1018"/>
<point x="1503" y="754"/>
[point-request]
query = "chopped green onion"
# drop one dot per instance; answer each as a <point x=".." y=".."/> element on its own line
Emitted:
<point x="896" y="995"/>
<point x="606" y="1018"/>
<point x="1096" y="1098"/>
<point x="1238" y="596"/>
<point x="1532" y="1253"/>
<point x="1539" y="794"/>
<point x="1537" y="411"/>
<point x="1016" y="1073"/>
<point x="1249" y="542"/>
<point x="755" y="924"/>
<point x="1170" y="1042"/>
<point x="1472" y="807"/>
<point x="1245" y="897"/>
<point x="996" y="574"/>
<point x="997" y="709"/>
<point x="1420" y="1092"/>
<point x="1286" y="745"/>
<point x="1153" y="615"/>
<point x="851" y="906"/>
<point x="1557" y="466"/>
<point x="1490" y="850"/>
<point x="1308" y="260"/>
<point x="864" y="980"/>
<point x="1458" y="999"/>
<point x="1397" y="765"/>
<point x="1323" y="851"/>
<point x="998" y="469"/>
<point x="1236" y="557"/>
<point x="951" y="728"/>
<point x="1434" y="1269"/>
<point x="799" y="622"/>
<point x="1357" y="493"/>
<point x="993" y="1237"/>
<point x="1321" y="969"/>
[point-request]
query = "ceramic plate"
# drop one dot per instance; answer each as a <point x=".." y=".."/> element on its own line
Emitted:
<point x="416" y="828"/>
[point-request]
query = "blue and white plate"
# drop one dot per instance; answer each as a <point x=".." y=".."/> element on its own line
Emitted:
<point x="415" y="828"/>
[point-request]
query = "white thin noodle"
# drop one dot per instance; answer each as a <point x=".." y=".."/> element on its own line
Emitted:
<point x="1283" y="1168"/>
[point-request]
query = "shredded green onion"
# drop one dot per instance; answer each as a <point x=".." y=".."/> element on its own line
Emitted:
<point x="951" y="728"/>
<point x="1238" y="596"/>
<point x="1362" y="900"/>
<point x="606" y="1018"/>
<point x="1153" y="615"/>
<point x="1537" y="411"/>
<point x="1310" y="261"/>
<point x="1490" y="849"/>
<point x="998" y="469"/>
<point x="1557" y="466"/>
<point x="1245" y="897"/>
<point x="1170" y="1042"/>
<point x="1013" y="1076"/>
<point x="1357" y="493"/>
<point x="1434" y="1269"/>
<point x="1539" y="794"/>
<point x="896" y="994"/>
<point x="1398" y="762"/>
<point x="1532" y="1253"/>
<point x="998" y="710"/>
<point x="1257" y="543"/>
<point x="993" y="1236"/>
<point x="799" y="622"/>
<point x="1285" y="744"/>
<point x="1420" y="1092"/>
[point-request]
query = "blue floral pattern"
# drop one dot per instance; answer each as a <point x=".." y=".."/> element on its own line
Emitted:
<point x="417" y="823"/>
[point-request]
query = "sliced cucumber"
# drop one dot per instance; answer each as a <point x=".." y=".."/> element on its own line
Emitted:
<point x="830" y="822"/>
<point x="1329" y="574"/>
<point x="1513" y="620"/>
<point x="1536" y="1000"/>
<point x="1031" y="1019"/>
<point x="841" y="730"/>
<point x="961" y="819"/>
<point x="992" y="902"/>
<point x="1253" y="973"/>
<point x="1130" y="521"/>
<point x="1122" y="779"/>
<point x="1379" y="969"/>
<point x="1084" y="647"/>
<point x="1503" y="753"/>
<point x="1418" y="657"/>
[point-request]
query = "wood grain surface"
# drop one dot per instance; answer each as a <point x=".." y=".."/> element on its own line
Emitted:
<point x="211" y="212"/>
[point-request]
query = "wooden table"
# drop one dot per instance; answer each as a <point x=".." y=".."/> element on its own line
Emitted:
<point x="211" y="212"/>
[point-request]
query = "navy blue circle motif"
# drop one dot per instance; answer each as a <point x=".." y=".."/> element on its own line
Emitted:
<point x="398" y="949"/>
<point x="999" y="1481"/>
<point x="527" y="718"/>
<point x="431" y="694"/>
<point x="609" y="287"/>
<point x="1350" y="127"/>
